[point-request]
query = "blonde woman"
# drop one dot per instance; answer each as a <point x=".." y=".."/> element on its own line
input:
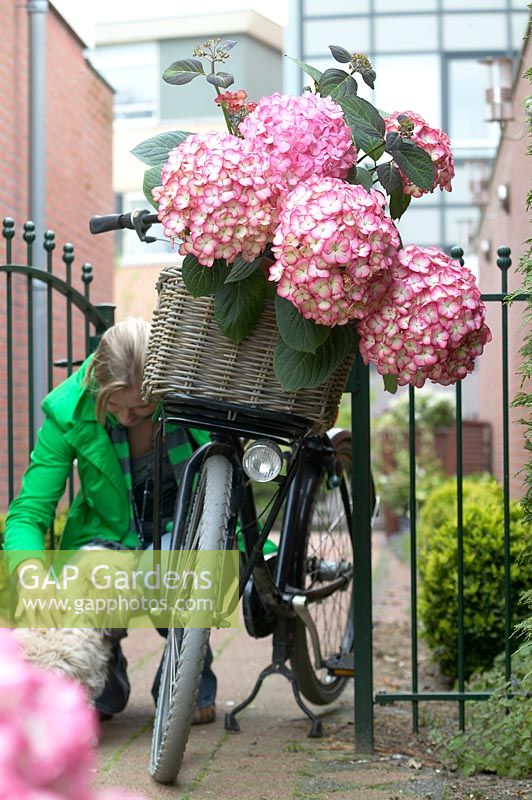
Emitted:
<point x="98" y="419"/>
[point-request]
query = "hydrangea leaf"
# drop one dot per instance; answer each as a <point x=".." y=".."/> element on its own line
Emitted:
<point x="366" y="123"/>
<point x="154" y="151"/>
<point x="296" y="331"/>
<point x="389" y="177"/>
<point x="237" y="306"/>
<point x="241" y="269"/>
<point x="359" y="175"/>
<point x="298" y="370"/>
<point x="399" y="202"/>
<point x="223" y="79"/>
<point x="202" y="281"/>
<point x="340" y="54"/>
<point x="184" y="71"/>
<point x="314" y="73"/>
<point x="152" y="178"/>
<point x="337" y="84"/>
<point x="390" y="383"/>
<point x="415" y="163"/>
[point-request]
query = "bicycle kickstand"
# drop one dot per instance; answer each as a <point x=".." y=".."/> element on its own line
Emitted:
<point x="277" y="667"/>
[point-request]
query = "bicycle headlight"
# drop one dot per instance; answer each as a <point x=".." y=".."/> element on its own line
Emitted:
<point x="262" y="461"/>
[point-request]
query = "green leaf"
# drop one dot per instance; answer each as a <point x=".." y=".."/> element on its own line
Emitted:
<point x="399" y="202"/>
<point x="390" y="383"/>
<point x="241" y="269"/>
<point x="337" y="84"/>
<point x="415" y="163"/>
<point x="340" y="54"/>
<point x="389" y="177"/>
<point x="314" y="73"/>
<point x="358" y="111"/>
<point x="223" y="79"/>
<point x="202" y="281"/>
<point x="296" y="331"/>
<point x="298" y="370"/>
<point x="152" y="178"/>
<point x="368" y="76"/>
<point x="237" y="306"/>
<point x="154" y="151"/>
<point x="361" y="176"/>
<point x="184" y="71"/>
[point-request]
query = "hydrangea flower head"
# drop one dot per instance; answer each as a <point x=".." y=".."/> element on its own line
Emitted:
<point x="215" y="198"/>
<point x="301" y="136"/>
<point x="333" y="247"/>
<point x="430" y="324"/>
<point x="432" y="140"/>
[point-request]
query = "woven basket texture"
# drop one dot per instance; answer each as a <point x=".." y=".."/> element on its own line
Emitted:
<point x="188" y="353"/>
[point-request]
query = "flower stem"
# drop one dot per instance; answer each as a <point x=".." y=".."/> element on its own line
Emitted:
<point x="226" y="115"/>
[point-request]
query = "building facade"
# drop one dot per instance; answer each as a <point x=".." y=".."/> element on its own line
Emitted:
<point x="132" y="56"/>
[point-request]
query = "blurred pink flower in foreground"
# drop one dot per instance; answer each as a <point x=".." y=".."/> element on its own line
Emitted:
<point x="434" y="141"/>
<point x="215" y="197"/>
<point x="333" y="247"/>
<point x="301" y="136"/>
<point x="430" y="325"/>
<point x="47" y="733"/>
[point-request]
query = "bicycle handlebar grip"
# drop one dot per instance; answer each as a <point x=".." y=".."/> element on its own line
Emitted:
<point x="110" y="222"/>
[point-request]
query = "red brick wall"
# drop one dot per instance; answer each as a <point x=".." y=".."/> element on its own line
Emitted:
<point x="513" y="167"/>
<point x="78" y="184"/>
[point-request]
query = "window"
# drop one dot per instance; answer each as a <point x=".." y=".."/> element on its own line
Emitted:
<point x="409" y="83"/>
<point x="406" y="5"/>
<point x="409" y="32"/>
<point x="133" y="71"/>
<point x="474" y="31"/>
<point x="132" y="250"/>
<point x="465" y="5"/>
<point x="353" y="34"/>
<point x="319" y="8"/>
<point x="467" y="111"/>
<point x="420" y="226"/>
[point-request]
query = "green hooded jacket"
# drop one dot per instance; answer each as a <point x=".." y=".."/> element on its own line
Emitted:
<point x="71" y="434"/>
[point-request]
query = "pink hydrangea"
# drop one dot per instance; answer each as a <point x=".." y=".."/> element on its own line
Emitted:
<point x="47" y="733"/>
<point x="214" y="196"/>
<point x="301" y="136"/>
<point x="333" y="247"/>
<point x="430" y="325"/>
<point x="434" y="141"/>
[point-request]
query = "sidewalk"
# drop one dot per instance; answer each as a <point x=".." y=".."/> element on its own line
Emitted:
<point x="272" y="757"/>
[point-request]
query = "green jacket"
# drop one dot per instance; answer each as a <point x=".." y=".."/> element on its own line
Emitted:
<point x="70" y="432"/>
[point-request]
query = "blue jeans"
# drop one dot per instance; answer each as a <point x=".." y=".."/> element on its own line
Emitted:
<point x="116" y="691"/>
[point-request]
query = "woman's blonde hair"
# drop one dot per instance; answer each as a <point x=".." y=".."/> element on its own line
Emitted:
<point x="118" y="362"/>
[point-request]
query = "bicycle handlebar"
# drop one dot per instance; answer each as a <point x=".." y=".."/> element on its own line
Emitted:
<point x="139" y="220"/>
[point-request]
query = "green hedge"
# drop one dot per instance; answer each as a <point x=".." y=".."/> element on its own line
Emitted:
<point x="483" y="546"/>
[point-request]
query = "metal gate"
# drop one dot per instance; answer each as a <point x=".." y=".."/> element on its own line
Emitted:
<point x="72" y="329"/>
<point x="363" y="644"/>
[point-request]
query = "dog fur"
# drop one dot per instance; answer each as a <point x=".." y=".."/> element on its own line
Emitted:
<point x="80" y="653"/>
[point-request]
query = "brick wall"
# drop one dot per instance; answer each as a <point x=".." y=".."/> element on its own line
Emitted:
<point x="513" y="168"/>
<point x="78" y="184"/>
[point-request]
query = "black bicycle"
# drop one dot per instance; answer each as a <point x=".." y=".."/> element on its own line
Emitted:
<point x="302" y="594"/>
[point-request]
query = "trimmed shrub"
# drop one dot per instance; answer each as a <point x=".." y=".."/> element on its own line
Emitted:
<point x="483" y="548"/>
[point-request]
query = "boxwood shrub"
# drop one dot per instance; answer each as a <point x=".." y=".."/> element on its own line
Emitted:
<point x="483" y="547"/>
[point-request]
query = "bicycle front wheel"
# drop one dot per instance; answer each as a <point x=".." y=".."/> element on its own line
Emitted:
<point x="324" y="553"/>
<point x="185" y="650"/>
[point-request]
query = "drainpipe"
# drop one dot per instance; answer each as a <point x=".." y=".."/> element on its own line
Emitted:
<point x="37" y="16"/>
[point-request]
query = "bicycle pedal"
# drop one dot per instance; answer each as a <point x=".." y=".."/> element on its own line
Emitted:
<point x="342" y="665"/>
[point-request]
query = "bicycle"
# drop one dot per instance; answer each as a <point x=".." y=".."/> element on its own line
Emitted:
<point x="302" y="595"/>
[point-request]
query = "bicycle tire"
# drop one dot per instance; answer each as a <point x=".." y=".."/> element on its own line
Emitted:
<point x="333" y="616"/>
<point x="185" y="649"/>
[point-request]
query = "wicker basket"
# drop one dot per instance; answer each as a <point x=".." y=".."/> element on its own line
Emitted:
<point x="188" y="353"/>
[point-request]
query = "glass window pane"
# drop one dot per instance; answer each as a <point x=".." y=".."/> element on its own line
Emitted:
<point x="319" y="8"/>
<point x="464" y="5"/>
<point x="418" y="89"/>
<point x="474" y="31"/>
<point x="519" y="30"/>
<point x="470" y="182"/>
<point x="406" y="5"/>
<point x="467" y="110"/>
<point x="406" y="33"/>
<point x="420" y="226"/>
<point x="461" y="226"/>
<point x="353" y="34"/>
<point x="133" y="71"/>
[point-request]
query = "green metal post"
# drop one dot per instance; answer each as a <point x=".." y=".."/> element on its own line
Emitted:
<point x="362" y="607"/>
<point x="413" y="555"/>
<point x="8" y="233"/>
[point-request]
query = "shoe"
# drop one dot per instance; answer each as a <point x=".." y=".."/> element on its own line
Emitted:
<point x="103" y="716"/>
<point x="204" y="715"/>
